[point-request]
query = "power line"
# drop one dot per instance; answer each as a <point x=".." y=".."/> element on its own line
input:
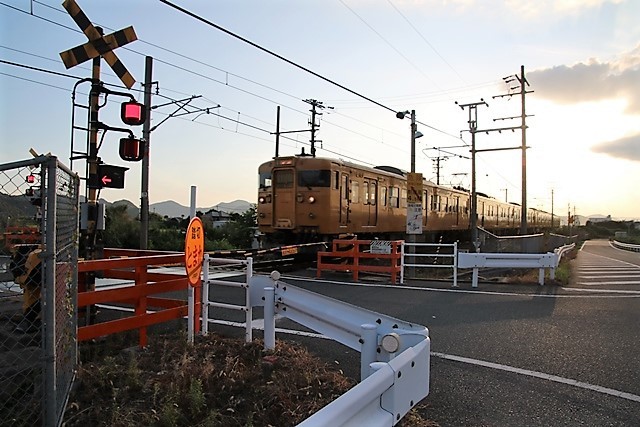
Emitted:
<point x="425" y="40"/>
<point x="191" y="71"/>
<point x="388" y="42"/>
<point x="257" y="46"/>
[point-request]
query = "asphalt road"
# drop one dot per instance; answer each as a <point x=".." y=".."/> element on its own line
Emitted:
<point x="557" y="356"/>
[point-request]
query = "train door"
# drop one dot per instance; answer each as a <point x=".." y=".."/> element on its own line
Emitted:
<point x="284" y="208"/>
<point x="344" y="199"/>
<point x="371" y="200"/>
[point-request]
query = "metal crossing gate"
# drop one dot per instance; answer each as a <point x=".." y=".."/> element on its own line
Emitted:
<point x="38" y="290"/>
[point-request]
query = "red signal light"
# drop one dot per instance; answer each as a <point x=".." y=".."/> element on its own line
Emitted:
<point x="133" y="113"/>
<point x="31" y="178"/>
<point x="131" y="149"/>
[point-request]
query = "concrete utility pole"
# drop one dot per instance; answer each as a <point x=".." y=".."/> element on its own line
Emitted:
<point x="523" y="220"/>
<point x="315" y="104"/>
<point x="522" y="80"/>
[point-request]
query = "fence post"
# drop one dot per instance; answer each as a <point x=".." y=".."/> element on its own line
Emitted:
<point x="474" y="280"/>
<point x="205" y="295"/>
<point x="190" y="313"/>
<point x="248" y="336"/>
<point x="141" y="303"/>
<point x="269" y="318"/>
<point x="455" y="264"/>
<point x="369" y="346"/>
<point x="402" y="262"/>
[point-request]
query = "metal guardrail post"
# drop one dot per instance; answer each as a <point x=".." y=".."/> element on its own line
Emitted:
<point x="369" y="345"/>
<point x="269" y="318"/>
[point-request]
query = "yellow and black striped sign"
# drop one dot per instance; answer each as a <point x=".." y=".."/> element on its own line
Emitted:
<point x="97" y="44"/>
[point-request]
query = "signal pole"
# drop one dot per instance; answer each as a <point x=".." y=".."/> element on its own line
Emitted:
<point x="473" y="127"/>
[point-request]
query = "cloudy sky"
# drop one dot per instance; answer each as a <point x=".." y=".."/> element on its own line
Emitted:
<point x="363" y="58"/>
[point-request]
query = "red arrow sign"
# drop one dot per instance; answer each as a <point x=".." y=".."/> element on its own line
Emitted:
<point x="105" y="180"/>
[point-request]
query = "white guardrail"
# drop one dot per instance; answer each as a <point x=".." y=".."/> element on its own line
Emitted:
<point x="625" y="246"/>
<point x="548" y="260"/>
<point x="395" y="355"/>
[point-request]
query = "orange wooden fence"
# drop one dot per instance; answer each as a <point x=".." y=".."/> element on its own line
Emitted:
<point x="131" y="265"/>
<point x="355" y="256"/>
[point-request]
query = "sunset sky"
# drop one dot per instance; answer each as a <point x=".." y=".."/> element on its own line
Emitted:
<point x="581" y="59"/>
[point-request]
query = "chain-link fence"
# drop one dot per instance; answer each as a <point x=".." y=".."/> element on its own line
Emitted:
<point x="38" y="290"/>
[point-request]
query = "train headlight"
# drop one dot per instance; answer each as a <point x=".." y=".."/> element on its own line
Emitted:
<point x="261" y="199"/>
<point x="311" y="199"/>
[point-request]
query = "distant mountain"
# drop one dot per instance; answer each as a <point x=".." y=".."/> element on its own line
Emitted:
<point x="175" y="210"/>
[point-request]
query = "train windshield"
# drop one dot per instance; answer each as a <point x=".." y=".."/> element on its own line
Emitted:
<point x="265" y="180"/>
<point x="314" y="178"/>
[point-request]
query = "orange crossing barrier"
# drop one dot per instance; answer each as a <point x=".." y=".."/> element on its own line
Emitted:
<point x="125" y="265"/>
<point x="358" y="257"/>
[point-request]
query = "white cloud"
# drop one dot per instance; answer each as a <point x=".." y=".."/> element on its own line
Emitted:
<point x="592" y="81"/>
<point x="624" y="148"/>
<point x="542" y="8"/>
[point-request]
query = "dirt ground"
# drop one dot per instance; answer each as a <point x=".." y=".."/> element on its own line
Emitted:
<point x="217" y="381"/>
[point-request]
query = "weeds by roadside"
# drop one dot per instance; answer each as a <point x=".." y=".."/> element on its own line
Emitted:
<point x="217" y="381"/>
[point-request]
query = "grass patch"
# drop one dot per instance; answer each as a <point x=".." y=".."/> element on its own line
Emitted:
<point x="216" y="381"/>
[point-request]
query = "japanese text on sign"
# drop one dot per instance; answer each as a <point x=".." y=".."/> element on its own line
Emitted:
<point x="194" y="250"/>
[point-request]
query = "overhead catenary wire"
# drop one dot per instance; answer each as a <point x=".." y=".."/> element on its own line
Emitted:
<point x="236" y="87"/>
<point x="257" y="46"/>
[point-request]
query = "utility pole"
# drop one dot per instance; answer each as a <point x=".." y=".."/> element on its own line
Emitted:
<point x="522" y="80"/>
<point x="146" y="135"/>
<point x="437" y="166"/>
<point x="473" y="127"/>
<point x="315" y="104"/>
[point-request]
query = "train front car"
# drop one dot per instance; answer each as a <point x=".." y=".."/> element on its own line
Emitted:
<point x="297" y="199"/>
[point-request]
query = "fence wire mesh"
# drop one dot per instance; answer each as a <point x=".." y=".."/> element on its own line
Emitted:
<point x="38" y="285"/>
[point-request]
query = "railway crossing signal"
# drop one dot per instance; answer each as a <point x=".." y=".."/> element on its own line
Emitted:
<point x="108" y="176"/>
<point x="133" y="113"/>
<point x="98" y="45"/>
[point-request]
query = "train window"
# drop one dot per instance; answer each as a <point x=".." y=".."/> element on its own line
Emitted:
<point x="403" y="198"/>
<point x="355" y="192"/>
<point x="435" y="203"/>
<point x="345" y="187"/>
<point x="265" y="180"/>
<point x="383" y="195"/>
<point x="365" y="187"/>
<point x="314" y="178"/>
<point x="373" y="193"/>
<point x="425" y="201"/>
<point x="336" y="181"/>
<point x="394" y="197"/>
<point x="283" y="178"/>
